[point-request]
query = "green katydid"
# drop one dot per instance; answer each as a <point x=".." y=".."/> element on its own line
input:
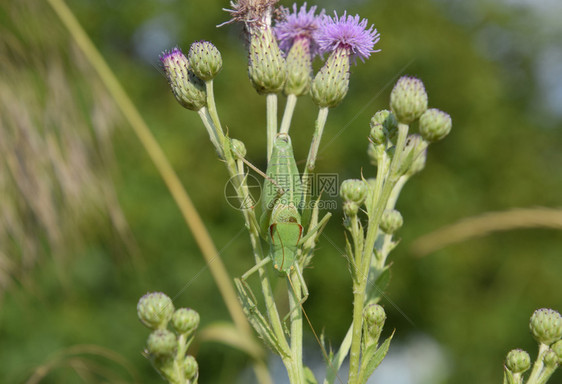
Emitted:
<point x="282" y="197"/>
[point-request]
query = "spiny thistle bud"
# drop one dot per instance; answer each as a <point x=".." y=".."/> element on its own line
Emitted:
<point x="557" y="348"/>
<point x="518" y="361"/>
<point x="299" y="69"/>
<point x="266" y="68"/>
<point x="161" y="342"/>
<point x="387" y="120"/>
<point x="353" y="192"/>
<point x="238" y="148"/>
<point x="374" y="315"/>
<point x="331" y="83"/>
<point x="155" y="310"/>
<point x="546" y="325"/>
<point x="408" y="99"/>
<point x="378" y="134"/>
<point x="185" y="320"/>
<point x="188" y="89"/>
<point x="550" y="359"/>
<point x="190" y="367"/>
<point x="391" y="221"/>
<point x="435" y="125"/>
<point x="205" y="60"/>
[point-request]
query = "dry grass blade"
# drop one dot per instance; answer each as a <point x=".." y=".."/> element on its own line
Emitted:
<point x="56" y="121"/>
<point x="486" y="224"/>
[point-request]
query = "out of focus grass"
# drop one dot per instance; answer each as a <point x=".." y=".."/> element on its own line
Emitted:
<point x="68" y="164"/>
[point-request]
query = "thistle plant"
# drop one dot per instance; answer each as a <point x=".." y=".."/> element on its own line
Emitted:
<point x="288" y="216"/>
<point x="546" y="327"/>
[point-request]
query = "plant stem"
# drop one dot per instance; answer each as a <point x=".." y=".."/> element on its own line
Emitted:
<point x="288" y="114"/>
<point x="378" y="205"/>
<point x="294" y="288"/>
<point x="538" y="366"/>
<point x="271" y="101"/>
<point x="311" y="162"/>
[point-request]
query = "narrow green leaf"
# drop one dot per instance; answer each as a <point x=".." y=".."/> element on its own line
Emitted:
<point x="373" y="357"/>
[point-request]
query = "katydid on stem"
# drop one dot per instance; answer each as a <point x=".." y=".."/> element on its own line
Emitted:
<point x="282" y="199"/>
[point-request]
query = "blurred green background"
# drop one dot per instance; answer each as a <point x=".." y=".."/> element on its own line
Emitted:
<point x="88" y="225"/>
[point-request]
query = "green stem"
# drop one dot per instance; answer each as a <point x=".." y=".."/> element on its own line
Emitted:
<point x="318" y="131"/>
<point x="271" y="101"/>
<point x="296" y="328"/>
<point x="534" y="377"/>
<point x="205" y="118"/>
<point x="288" y="114"/>
<point x="378" y="205"/>
<point x="211" y="106"/>
<point x="311" y="162"/>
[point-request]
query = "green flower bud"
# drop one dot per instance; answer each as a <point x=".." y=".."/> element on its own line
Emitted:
<point x="161" y="343"/>
<point x="546" y="326"/>
<point x="374" y="315"/>
<point x="550" y="359"/>
<point x="299" y="68"/>
<point x="238" y="148"/>
<point x="331" y="83"/>
<point x="435" y="125"/>
<point x="408" y="99"/>
<point x="557" y="348"/>
<point x="205" y="60"/>
<point x="267" y="69"/>
<point x="155" y="310"/>
<point x="188" y="89"/>
<point x="518" y="361"/>
<point x="391" y="221"/>
<point x="185" y="320"/>
<point x="354" y="190"/>
<point x="389" y="125"/>
<point x="190" y="367"/>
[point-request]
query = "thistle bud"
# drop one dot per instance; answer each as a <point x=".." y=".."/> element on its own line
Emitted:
<point x="205" y="60"/>
<point x="374" y="315"/>
<point x="161" y="343"/>
<point x="185" y="320"/>
<point x="238" y="148"/>
<point x="190" y="367"/>
<point x="418" y="164"/>
<point x="435" y="125"/>
<point x="299" y="68"/>
<point x="391" y="221"/>
<point x="546" y="326"/>
<point x="155" y="310"/>
<point x="267" y="68"/>
<point x="384" y="121"/>
<point x="331" y="83"/>
<point x="550" y="359"/>
<point x="557" y="348"/>
<point x="354" y="190"/>
<point x="408" y="99"/>
<point x="518" y="361"/>
<point x="188" y="89"/>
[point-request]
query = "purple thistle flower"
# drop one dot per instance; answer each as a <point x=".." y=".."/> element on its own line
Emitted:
<point x="301" y="24"/>
<point x="349" y="33"/>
